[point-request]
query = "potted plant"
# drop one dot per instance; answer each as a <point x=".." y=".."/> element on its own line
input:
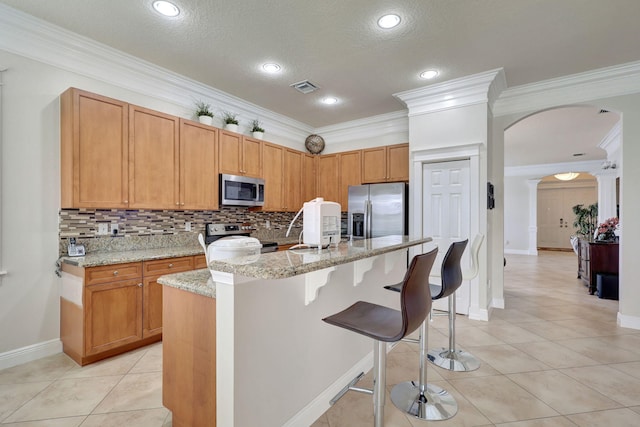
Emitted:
<point x="230" y="121"/>
<point x="586" y="219"/>
<point x="256" y="129"/>
<point x="204" y="113"/>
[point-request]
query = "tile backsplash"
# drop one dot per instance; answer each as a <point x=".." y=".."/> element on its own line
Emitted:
<point x="139" y="229"/>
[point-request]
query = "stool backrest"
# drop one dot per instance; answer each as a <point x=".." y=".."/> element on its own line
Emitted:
<point x="451" y="272"/>
<point x="415" y="297"/>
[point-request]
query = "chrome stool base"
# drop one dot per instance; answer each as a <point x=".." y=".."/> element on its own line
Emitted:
<point x="457" y="360"/>
<point x="434" y="404"/>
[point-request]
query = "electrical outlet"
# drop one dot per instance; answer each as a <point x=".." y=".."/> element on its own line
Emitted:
<point x="115" y="228"/>
<point x="187" y="226"/>
<point x="103" y="228"/>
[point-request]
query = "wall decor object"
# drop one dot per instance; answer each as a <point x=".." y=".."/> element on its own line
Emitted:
<point x="314" y="143"/>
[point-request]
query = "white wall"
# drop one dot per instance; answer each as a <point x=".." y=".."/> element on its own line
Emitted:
<point x="516" y="214"/>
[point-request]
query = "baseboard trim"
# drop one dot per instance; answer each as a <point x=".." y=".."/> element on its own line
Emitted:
<point x="625" y="321"/>
<point x="30" y="353"/>
<point x="497" y="303"/>
<point x="479" y="314"/>
<point x="318" y="406"/>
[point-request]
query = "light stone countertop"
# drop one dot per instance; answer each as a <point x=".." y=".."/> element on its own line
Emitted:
<point x="95" y="259"/>
<point x="288" y="263"/>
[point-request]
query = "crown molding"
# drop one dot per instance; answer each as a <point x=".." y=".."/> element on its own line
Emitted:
<point x="539" y="171"/>
<point x="470" y="90"/>
<point x="613" y="140"/>
<point x="28" y="36"/>
<point x="576" y="88"/>
<point x="370" y="127"/>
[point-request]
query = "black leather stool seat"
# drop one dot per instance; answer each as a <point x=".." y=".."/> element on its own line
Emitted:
<point x="373" y="320"/>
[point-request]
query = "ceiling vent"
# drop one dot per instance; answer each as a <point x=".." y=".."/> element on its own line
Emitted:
<point x="603" y="111"/>
<point x="305" y="86"/>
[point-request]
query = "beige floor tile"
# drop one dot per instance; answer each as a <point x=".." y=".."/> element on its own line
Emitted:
<point x="550" y="330"/>
<point x="630" y="342"/>
<point x="510" y="333"/>
<point x="134" y="392"/>
<point x="541" y="422"/>
<point x="46" y="369"/>
<point x="507" y="359"/>
<point x="635" y="409"/>
<point x="473" y="337"/>
<point x="66" y="398"/>
<point x="56" y="422"/>
<point x="593" y="328"/>
<point x="323" y="421"/>
<point x="515" y="316"/>
<point x="596" y="349"/>
<point x="142" y="418"/>
<point x="484" y="370"/>
<point x="501" y="400"/>
<point x="613" y="418"/>
<point x="614" y="384"/>
<point x="151" y="361"/>
<point x="356" y="410"/>
<point x="562" y="393"/>
<point x="13" y="396"/>
<point x="631" y="368"/>
<point x="405" y="366"/>
<point x="118" y="365"/>
<point x="555" y="355"/>
<point x="168" y="422"/>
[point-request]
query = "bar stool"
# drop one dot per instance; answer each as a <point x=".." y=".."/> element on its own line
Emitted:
<point x="384" y="324"/>
<point x="451" y="279"/>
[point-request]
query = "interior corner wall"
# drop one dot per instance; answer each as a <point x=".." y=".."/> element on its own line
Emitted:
<point x="516" y="215"/>
<point x="495" y="216"/>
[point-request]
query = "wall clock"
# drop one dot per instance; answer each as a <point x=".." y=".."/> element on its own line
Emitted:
<point x="314" y="143"/>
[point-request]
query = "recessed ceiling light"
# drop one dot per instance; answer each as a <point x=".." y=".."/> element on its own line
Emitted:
<point x="330" y="100"/>
<point x="271" y="67"/>
<point x="429" y="74"/>
<point x="166" y="8"/>
<point x="388" y="21"/>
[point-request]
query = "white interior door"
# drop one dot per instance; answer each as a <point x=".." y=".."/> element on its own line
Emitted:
<point x="555" y="214"/>
<point x="446" y="216"/>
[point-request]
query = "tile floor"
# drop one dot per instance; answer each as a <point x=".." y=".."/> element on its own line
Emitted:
<point x="553" y="357"/>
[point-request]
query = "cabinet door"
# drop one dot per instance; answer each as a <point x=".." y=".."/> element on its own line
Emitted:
<point x="230" y="153"/>
<point x="94" y="151"/>
<point x="293" y="186"/>
<point x="398" y="162"/>
<point x="309" y="177"/>
<point x="273" y="177"/>
<point x="349" y="175"/>
<point x="252" y="157"/>
<point x="198" y="166"/>
<point x="328" y="178"/>
<point x="113" y="315"/>
<point x="152" y="307"/>
<point x="153" y="159"/>
<point x="374" y="165"/>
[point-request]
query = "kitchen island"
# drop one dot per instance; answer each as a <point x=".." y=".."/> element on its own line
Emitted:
<point x="246" y="345"/>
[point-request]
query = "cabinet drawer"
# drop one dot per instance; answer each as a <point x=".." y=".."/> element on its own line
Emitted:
<point x="168" y="266"/>
<point x="111" y="273"/>
<point x="199" y="261"/>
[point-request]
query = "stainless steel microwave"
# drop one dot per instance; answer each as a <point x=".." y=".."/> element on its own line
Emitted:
<point x="238" y="190"/>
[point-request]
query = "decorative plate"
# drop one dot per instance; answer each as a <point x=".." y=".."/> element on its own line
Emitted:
<point x="314" y="143"/>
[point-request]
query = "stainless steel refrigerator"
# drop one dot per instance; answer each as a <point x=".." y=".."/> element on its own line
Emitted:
<point x="376" y="210"/>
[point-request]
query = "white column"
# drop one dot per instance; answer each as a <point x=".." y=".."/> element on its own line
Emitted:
<point x="606" y="194"/>
<point x="533" y="216"/>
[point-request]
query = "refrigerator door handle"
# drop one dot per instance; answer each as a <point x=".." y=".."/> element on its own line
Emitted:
<point x="368" y="219"/>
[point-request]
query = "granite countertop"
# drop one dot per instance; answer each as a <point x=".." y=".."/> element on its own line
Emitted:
<point x="95" y="259"/>
<point x="287" y="263"/>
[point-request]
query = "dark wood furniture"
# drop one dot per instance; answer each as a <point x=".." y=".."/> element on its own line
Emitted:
<point x="596" y="257"/>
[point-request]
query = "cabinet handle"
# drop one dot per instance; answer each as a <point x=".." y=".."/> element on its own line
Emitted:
<point x="139" y="285"/>
<point x="126" y="201"/>
<point x="170" y="265"/>
<point x="177" y="203"/>
<point x="115" y="273"/>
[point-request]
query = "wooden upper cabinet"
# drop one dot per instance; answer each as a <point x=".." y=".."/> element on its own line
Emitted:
<point x="293" y="185"/>
<point x="94" y="151"/>
<point x="239" y="155"/>
<point x="309" y="177"/>
<point x="350" y="163"/>
<point x="153" y="159"/>
<point x="198" y="166"/>
<point x="385" y="164"/>
<point x="273" y="156"/>
<point x="398" y="162"/>
<point x="252" y="157"/>
<point x="328" y="177"/>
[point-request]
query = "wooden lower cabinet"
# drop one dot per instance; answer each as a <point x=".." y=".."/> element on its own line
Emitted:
<point x="111" y="309"/>
<point x="189" y="358"/>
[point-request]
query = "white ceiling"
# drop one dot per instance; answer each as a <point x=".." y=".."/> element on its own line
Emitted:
<point x="337" y="45"/>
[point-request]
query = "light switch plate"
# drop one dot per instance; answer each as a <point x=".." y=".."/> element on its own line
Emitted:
<point x="103" y="228"/>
